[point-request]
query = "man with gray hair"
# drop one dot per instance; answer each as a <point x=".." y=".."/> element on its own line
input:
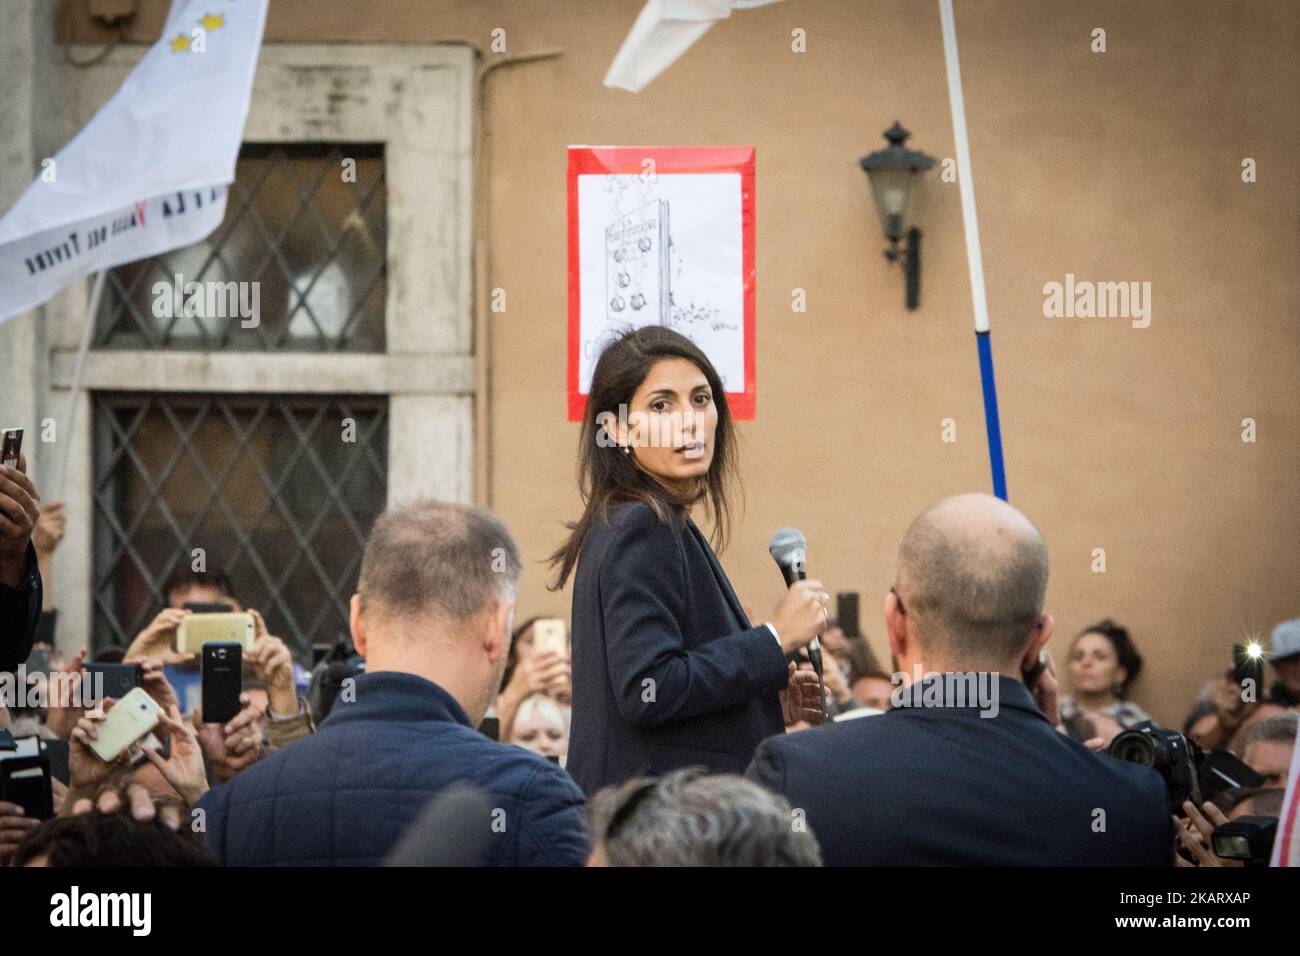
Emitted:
<point x="692" y="818"/>
<point x="967" y="767"/>
<point x="1270" y="747"/>
<point x="432" y="617"/>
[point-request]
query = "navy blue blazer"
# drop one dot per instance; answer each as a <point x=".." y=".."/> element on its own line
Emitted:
<point x="343" y="796"/>
<point x="667" y="671"/>
<point x="943" y="785"/>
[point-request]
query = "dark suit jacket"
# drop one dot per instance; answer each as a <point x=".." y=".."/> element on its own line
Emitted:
<point x="345" y="795"/>
<point x="20" y="609"/>
<point x="942" y="785"/>
<point x="667" y="671"/>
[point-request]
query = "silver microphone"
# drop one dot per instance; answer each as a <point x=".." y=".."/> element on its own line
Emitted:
<point x="789" y="550"/>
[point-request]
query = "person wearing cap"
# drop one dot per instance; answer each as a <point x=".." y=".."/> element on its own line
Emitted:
<point x="1285" y="658"/>
<point x="1235" y="714"/>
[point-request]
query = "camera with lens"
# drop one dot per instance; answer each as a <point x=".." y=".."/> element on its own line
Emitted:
<point x="1167" y="752"/>
<point x="1189" y="772"/>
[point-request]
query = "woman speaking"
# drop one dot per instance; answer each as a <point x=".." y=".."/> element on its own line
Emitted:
<point x="667" y="670"/>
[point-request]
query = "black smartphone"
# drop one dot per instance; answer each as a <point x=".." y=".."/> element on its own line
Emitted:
<point x="25" y="778"/>
<point x="846" y="613"/>
<point x="11" y="446"/>
<point x="1222" y="770"/>
<point x="1030" y="677"/>
<point x="214" y="607"/>
<point x="117" y="679"/>
<point x="223" y="680"/>
<point x="490" y="728"/>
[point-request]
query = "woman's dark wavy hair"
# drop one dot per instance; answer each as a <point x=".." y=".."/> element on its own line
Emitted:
<point x="1126" y="651"/>
<point x="606" y="476"/>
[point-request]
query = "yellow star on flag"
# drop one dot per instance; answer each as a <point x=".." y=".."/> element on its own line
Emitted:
<point x="181" y="44"/>
<point x="212" y="21"/>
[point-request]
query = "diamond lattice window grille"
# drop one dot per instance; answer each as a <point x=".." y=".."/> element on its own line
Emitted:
<point x="299" y="224"/>
<point x="279" y="491"/>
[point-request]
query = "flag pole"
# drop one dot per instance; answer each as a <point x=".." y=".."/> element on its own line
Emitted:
<point x="78" y="371"/>
<point x="974" y="258"/>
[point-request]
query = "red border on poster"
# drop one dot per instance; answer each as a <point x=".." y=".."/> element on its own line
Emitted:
<point x="623" y="160"/>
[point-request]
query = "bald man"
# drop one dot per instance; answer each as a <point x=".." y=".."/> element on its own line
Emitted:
<point x="967" y="767"/>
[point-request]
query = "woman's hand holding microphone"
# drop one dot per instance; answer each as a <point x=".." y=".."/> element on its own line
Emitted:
<point x="800" y="615"/>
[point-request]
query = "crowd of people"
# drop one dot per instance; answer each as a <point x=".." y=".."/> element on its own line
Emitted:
<point x="360" y="775"/>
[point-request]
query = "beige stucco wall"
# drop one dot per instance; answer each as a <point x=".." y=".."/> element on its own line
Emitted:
<point x="1116" y="166"/>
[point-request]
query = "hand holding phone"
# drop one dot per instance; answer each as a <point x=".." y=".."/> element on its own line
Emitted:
<point x="110" y="730"/>
<point x="126" y="721"/>
<point x="549" y="668"/>
<point x="183" y="766"/>
<point x="158" y="641"/>
<point x="232" y="746"/>
<point x="18" y="502"/>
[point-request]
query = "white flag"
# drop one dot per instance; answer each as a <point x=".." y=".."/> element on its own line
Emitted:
<point x="1286" y="845"/>
<point x="149" y="172"/>
<point x="664" y="31"/>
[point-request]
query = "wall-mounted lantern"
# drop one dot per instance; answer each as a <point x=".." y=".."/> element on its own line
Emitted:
<point x="892" y="173"/>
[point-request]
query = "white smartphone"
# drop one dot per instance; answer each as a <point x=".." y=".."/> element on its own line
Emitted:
<point x="132" y="718"/>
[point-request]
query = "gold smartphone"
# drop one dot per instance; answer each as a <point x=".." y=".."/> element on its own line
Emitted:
<point x="198" y="629"/>
<point x="549" y="635"/>
<point x="131" y="719"/>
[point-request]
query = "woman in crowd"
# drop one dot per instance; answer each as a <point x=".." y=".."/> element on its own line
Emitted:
<point x="527" y="673"/>
<point x="1103" y="664"/>
<point x="542" y="726"/>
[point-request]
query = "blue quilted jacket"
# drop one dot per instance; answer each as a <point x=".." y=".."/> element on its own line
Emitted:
<point x="343" y="796"/>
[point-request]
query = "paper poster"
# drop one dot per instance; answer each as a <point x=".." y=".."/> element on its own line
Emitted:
<point x="662" y="236"/>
